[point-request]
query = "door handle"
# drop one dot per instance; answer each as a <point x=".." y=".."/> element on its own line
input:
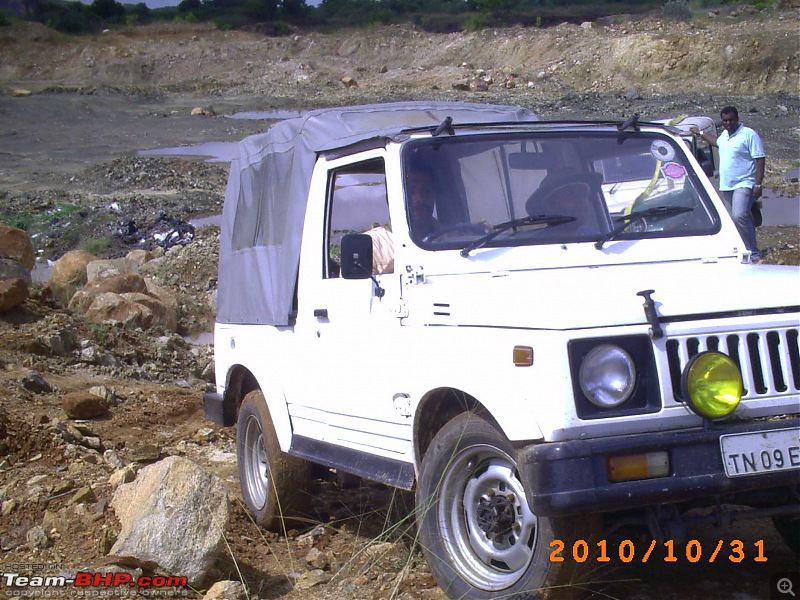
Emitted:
<point x="321" y="312"/>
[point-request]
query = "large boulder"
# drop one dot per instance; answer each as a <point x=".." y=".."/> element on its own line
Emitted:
<point x="174" y="514"/>
<point x="127" y="283"/>
<point x="101" y="269"/>
<point x="140" y="256"/>
<point x="163" y="315"/>
<point x="116" y="309"/>
<point x="83" y="405"/>
<point x="128" y="299"/>
<point x="69" y="275"/>
<point x="13" y="292"/>
<point x="15" y="244"/>
<point x="11" y="269"/>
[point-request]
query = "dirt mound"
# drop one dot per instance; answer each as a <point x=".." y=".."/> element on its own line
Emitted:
<point x="723" y="53"/>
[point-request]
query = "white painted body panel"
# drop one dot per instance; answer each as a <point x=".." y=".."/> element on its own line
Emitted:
<point x="355" y="377"/>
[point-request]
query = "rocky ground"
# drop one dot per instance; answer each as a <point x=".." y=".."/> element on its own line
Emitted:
<point x="70" y="175"/>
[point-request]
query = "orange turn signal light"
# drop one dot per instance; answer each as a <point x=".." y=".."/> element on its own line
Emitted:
<point x="629" y="467"/>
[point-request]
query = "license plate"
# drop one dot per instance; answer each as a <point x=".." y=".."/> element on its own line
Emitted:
<point x="763" y="452"/>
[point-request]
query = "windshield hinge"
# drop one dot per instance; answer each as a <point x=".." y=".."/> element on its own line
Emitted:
<point x="414" y="276"/>
<point x="651" y="315"/>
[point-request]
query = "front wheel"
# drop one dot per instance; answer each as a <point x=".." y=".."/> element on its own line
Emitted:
<point x="275" y="486"/>
<point x="477" y="533"/>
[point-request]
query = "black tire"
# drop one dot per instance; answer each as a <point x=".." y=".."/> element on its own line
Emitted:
<point x="789" y="529"/>
<point x="469" y="488"/>
<point x="275" y="486"/>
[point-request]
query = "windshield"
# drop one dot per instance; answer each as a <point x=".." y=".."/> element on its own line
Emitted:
<point x="473" y="191"/>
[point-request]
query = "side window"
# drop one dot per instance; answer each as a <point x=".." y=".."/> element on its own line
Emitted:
<point x="357" y="203"/>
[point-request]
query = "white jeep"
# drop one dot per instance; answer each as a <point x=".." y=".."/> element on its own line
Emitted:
<point x="543" y="328"/>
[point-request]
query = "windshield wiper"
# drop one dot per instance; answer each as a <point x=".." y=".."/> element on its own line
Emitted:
<point x="501" y="227"/>
<point x="656" y="212"/>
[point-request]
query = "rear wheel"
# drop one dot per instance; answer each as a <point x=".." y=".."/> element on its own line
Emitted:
<point x="275" y="486"/>
<point x="477" y="533"/>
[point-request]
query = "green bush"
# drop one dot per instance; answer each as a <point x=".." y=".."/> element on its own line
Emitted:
<point x="5" y="20"/>
<point x="677" y="10"/>
<point x="231" y="21"/>
<point x="67" y="17"/>
<point x="33" y="222"/>
<point x="475" y="23"/>
<point x="96" y="246"/>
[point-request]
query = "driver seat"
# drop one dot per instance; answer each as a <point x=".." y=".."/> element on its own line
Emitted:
<point x="537" y="203"/>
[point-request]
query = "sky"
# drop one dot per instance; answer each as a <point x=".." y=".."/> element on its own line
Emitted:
<point x="163" y="3"/>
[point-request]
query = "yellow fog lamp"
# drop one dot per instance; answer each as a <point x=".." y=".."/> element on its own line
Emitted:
<point x="712" y="385"/>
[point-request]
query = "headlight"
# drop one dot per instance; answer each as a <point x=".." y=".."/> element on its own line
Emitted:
<point x="712" y="385"/>
<point x="607" y="376"/>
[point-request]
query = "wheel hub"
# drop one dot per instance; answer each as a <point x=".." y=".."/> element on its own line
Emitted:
<point x="495" y="514"/>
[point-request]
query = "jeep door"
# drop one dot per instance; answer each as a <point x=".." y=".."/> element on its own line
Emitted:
<point x="344" y="330"/>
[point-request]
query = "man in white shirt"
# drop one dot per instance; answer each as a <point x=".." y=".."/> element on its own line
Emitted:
<point x="741" y="173"/>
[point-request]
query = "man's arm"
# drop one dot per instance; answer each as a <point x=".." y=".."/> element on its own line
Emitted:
<point x="708" y="137"/>
<point x="757" y="190"/>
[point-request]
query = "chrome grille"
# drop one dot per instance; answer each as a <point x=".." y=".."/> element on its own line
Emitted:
<point x="768" y="360"/>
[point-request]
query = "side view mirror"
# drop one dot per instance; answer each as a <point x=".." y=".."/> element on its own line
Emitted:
<point x="357" y="259"/>
<point x="356" y="256"/>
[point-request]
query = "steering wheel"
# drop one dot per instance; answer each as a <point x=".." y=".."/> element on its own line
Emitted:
<point x="469" y="228"/>
<point x="537" y="203"/>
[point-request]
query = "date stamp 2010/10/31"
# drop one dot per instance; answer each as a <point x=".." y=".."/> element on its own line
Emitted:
<point x="581" y="551"/>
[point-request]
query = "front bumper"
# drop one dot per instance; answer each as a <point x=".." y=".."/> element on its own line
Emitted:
<point x="565" y="478"/>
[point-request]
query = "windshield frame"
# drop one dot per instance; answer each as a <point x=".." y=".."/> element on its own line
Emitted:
<point x="449" y="162"/>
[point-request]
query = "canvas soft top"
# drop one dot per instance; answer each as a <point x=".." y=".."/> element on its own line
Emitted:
<point x="267" y="193"/>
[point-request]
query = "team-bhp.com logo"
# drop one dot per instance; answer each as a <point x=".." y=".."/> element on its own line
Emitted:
<point x="84" y="584"/>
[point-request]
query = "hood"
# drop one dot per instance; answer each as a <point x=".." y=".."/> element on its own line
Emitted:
<point x="586" y="297"/>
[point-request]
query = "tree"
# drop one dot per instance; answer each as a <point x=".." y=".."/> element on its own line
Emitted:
<point x="261" y="9"/>
<point x="499" y="9"/>
<point x="138" y="13"/>
<point x="294" y="8"/>
<point x="108" y="10"/>
<point x="186" y="6"/>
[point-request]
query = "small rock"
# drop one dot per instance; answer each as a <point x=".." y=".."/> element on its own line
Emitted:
<point x="33" y="382"/>
<point x="226" y="590"/>
<point x="125" y="475"/>
<point x="36" y="538"/>
<point x="8" y="507"/>
<point x="107" y="394"/>
<point x="312" y="578"/>
<point x="205" y="435"/>
<point x="36" y="479"/>
<point x="85" y="494"/>
<point x="81" y="405"/>
<point x="146" y="454"/>
<point x="317" y="559"/>
<point x="112" y="459"/>
<point x="107" y="540"/>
